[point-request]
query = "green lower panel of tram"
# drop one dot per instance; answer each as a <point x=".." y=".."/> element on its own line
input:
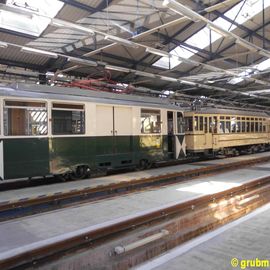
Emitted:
<point x="28" y="157"/>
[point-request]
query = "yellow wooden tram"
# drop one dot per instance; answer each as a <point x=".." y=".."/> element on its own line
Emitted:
<point x="226" y="132"/>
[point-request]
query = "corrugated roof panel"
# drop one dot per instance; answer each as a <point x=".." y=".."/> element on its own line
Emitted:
<point x="14" y="54"/>
<point x="70" y="13"/>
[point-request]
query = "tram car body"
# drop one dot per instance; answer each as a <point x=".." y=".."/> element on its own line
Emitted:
<point x="226" y="132"/>
<point x="58" y="131"/>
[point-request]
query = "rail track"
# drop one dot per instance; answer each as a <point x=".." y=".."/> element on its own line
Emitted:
<point x="6" y="185"/>
<point x="154" y="231"/>
<point x="47" y="202"/>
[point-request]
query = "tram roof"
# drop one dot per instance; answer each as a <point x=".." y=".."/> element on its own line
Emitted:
<point x="82" y="95"/>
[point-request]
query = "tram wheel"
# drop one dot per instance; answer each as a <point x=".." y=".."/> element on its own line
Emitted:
<point x="143" y="164"/>
<point x="81" y="172"/>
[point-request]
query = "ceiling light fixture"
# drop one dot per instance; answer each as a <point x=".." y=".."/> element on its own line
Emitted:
<point x="121" y="41"/>
<point x="182" y="10"/>
<point x="81" y="61"/>
<point x="61" y="23"/>
<point x="157" y="52"/>
<point x="116" y="68"/>
<point x="39" y="52"/>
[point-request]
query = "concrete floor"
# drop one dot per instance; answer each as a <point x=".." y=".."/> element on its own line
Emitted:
<point x="19" y="194"/>
<point x="25" y="232"/>
<point x="245" y="239"/>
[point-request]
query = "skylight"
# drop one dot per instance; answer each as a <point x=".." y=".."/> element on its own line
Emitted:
<point x="264" y="65"/>
<point x="202" y="38"/>
<point x="32" y="25"/>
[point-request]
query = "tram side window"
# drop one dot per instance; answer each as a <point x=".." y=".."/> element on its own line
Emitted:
<point x="256" y="125"/>
<point x="196" y="123"/>
<point x="188" y="124"/>
<point x="252" y="125"/>
<point x="222" y="126"/>
<point x="260" y="124"/>
<point x="68" y="119"/>
<point x="205" y="125"/>
<point x="23" y="118"/>
<point x="248" y="124"/>
<point x="201" y="123"/>
<point x="213" y="124"/>
<point x="263" y="125"/>
<point x="233" y="125"/>
<point x="243" y="124"/>
<point x="238" y="125"/>
<point x="150" y="121"/>
<point x="180" y="123"/>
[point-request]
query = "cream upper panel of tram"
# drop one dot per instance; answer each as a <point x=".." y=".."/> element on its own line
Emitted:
<point x="129" y="114"/>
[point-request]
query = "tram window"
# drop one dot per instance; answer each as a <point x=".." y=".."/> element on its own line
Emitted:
<point x="205" y="125"/>
<point x="248" y="124"/>
<point x="201" y="123"/>
<point x="233" y="125"/>
<point x="256" y="127"/>
<point x="213" y="124"/>
<point x="222" y="127"/>
<point x="227" y="127"/>
<point x="252" y="127"/>
<point x="188" y="124"/>
<point x="150" y="121"/>
<point x="196" y="124"/>
<point x="68" y="119"/>
<point x="180" y="123"/>
<point x="243" y="126"/>
<point x="260" y="126"/>
<point x="23" y="118"/>
<point x="238" y="125"/>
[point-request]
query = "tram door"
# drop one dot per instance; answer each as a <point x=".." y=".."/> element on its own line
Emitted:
<point x="176" y="135"/>
<point x="208" y="136"/>
<point x="171" y="131"/>
<point x="122" y="119"/>
<point x="114" y="124"/>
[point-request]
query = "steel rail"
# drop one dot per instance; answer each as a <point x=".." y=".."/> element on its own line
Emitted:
<point x="26" y="206"/>
<point x="35" y="253"/>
